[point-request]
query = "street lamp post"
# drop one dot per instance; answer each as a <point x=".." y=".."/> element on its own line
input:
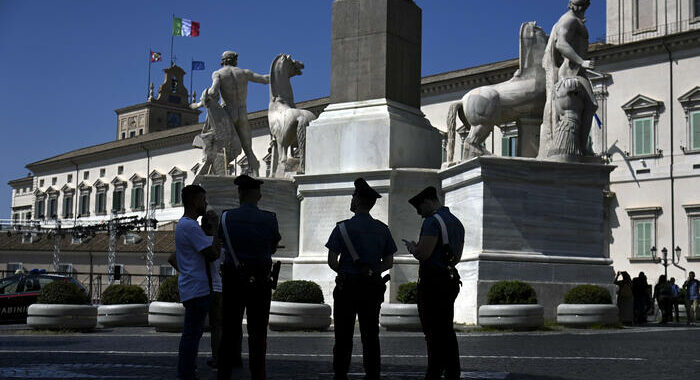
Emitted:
<point x="675" y="257"/>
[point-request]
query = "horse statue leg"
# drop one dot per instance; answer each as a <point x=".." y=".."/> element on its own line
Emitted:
<point x="475" y="141"/>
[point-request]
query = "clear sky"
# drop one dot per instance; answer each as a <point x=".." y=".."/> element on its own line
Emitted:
<point x="65" y="66"/>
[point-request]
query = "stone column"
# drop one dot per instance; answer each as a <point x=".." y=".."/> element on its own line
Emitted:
<point x="373" y="128"/>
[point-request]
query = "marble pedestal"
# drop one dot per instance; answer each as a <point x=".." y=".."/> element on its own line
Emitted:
<point x="536" y="221"/>
<point x="279" y="195"/>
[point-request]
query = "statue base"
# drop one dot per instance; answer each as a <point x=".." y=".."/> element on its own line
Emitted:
<point x="535" y="221"/>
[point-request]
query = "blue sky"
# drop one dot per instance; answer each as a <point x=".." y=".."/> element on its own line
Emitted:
<point x="65" y="66"/>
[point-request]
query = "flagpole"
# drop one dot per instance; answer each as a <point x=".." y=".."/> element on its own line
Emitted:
<point x="148" y="85"/>
<point x="191" y="74"/>
<point x="172" y="39"/>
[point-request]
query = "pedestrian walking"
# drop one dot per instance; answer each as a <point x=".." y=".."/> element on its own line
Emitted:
<point x="250" y="237"/>
<point x="692" y="297"/>
<point x="193" y="251"/>
<point x="641" y="298"/>
<point x="625" y="299"/>
<point x="366" y="249"/>
<point x="663" y="296"/>
<point x="438" y="250"/>
<point x="676" y="291"/>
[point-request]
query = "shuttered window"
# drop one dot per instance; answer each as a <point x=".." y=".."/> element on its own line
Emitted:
<point x="643" y="136"/>
<point x="643" y="237"/>
<point x="695" y="129"/>
<point x="695" y="236"/>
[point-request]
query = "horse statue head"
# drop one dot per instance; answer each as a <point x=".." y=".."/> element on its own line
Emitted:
<point x="282" y="69"/>
<point x="533" y="41"/>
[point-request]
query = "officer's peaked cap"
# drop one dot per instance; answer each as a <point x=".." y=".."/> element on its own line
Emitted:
<point x="363" y="189"/>
<point x="429" y="192"/>
<point x="245" y="182"/>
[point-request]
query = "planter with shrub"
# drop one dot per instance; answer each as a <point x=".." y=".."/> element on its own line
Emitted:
<point x="511" y="305"/>
<point x="587" y="305"/>
<point x="62" y="305"/>
<point x="167" y="313"/>
<point x="402" y="316"/>
<point x="298" y="305"/>
<point x="123" y="305"/>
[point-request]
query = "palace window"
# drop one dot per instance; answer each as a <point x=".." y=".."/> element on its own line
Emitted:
<point x="138" y="184"/>
<point x="696" y="8"/>
<point x="100" y="197"/>
<point x="695" y="236"/>
<point x="86" y="175"/>
<point x="118" y="200"/>
<point x="178" y="182"/>
<point x="84" y="204"/>
<point x="103" y="172"/>
<point x="643" y="230"/>
<point x="118" y="195"/>
<point x="643" y="132"/>
<point x="39" y="206"/>
<point x="120" y="169"/>
<point x="691" y="106"/>
<point x="643" y="116"/>
<point x="53" y="207"/>
<point x="509" y="141"/>
<point x="693" y="213"/>
<point x="68" y="206"/>
<point x="69" y="178"/>
<point x="156" y="190"/>
<point x="101" y="202"/>
<point x="53" y="181"/>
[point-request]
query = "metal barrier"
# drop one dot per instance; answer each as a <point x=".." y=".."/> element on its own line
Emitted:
<point x="94" y="283"/>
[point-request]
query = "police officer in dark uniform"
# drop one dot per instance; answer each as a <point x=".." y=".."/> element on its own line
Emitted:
<point x="366" y="249"/>
<point x="249" y="237"/>
<point x="438" y="251"/>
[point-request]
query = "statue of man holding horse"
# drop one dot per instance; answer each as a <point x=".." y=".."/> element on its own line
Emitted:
<point x="564" y="58"/>
<point x="232" y="83"/>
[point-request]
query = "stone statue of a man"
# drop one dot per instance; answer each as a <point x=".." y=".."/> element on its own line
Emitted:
<point x="232" y="83"/>
<point x="565" y="57"/>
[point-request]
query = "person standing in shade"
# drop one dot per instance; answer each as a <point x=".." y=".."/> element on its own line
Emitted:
<point x="438" y="250"/>
<point x="192" y="250"/>
<point x="249" y="237"/>
<point x="625" y="299"/>
<point x="663" y="295"/>
<point x="676" y="291"/>
<point x="692" y="297"/>
<point x="641" y="298"/>
<point x="366" y="249"/>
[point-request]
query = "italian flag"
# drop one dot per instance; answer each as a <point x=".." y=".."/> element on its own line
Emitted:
<point x="184" y="27"/>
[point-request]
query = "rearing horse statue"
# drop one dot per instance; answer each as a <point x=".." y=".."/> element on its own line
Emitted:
<point x="523" y="95"/>
<point x="287" y="123"/>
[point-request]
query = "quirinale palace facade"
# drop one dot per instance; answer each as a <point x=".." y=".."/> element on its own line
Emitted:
<point x="646" y="81"/>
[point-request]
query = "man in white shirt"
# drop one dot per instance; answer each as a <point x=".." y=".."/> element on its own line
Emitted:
<point x="191" y="247"/>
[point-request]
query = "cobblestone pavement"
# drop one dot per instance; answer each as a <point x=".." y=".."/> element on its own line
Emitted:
<point x="141" y="353"/>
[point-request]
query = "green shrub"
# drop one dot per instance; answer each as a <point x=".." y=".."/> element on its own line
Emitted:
<point x="408" y="293"/>
<point x="63" y="293"/>
<point x="123" y="294"/>
<point x="588" y="294"/>
<point x="298" y="291"/>
<point x="168" y="291"/>
<point x="511" y="293"/>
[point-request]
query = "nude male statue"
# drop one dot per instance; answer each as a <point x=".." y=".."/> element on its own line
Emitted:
<point x="564" y="57"/>
<point x="232" y="83"/>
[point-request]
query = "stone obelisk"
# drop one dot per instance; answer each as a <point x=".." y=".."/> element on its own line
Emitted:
<point x="373" y="128"/>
